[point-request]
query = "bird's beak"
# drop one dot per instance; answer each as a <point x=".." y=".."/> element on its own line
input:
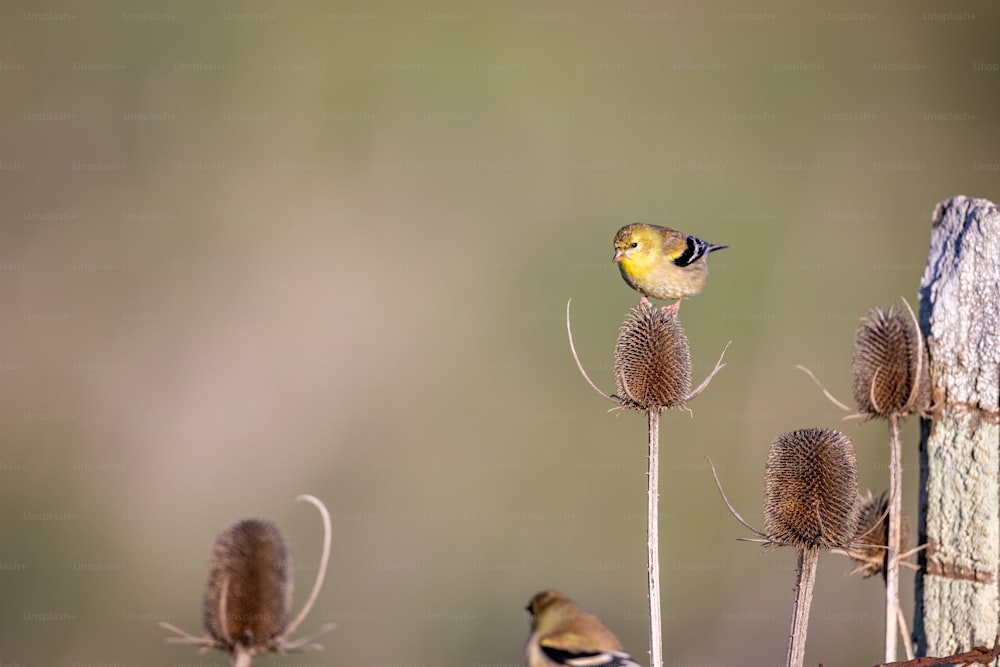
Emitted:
<point x="619" y="255"/>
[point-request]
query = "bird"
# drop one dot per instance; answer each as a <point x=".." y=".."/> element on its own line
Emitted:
<point x="564" y="635"/>
<point x="661" y="262"/>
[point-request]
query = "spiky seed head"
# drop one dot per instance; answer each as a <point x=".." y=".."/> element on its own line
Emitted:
<point x="652" y="360"/>
<point x="249" y="593"/>
<point x="888" y="354"/>
<point x="811" y="490"/>
<point x="870" y="548"/>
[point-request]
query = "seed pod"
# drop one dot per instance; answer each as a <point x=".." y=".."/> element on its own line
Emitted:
<point x="888" y="357"/>
<point x="870" y="548"/>
<point x="652" y="360"/>
<point x="249" y="593"/>
<point x="811" y="490"/>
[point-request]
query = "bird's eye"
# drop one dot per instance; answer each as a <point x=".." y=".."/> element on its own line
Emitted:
<point x="635" y="244"/>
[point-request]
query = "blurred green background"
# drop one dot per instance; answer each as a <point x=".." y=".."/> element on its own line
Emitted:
<point x="253" y="250"/>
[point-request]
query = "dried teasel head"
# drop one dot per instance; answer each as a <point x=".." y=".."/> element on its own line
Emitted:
<point x="652" y="360"/>
<point x="249" y="592"/>
<point x="889" y="365"/>
<point x="811" y="490"/>
<point x="870" y="548"/>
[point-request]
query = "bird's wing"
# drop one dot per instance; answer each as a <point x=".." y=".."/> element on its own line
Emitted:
<point x="691" y="250"/>
<point x="578" y="658"/>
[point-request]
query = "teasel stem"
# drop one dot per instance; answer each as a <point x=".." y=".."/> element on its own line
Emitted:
<point x="653" y="542"/>
<point x="904" y="632"/>
<point x="803" y="601"/>
<point x="892" y="609"/>
<point x="652" y="373"/>
<point x="811" y="502"/>
<point x="241" y="657"/>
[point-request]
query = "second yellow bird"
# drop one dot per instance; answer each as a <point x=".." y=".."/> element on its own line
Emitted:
<point x="564" y="635"/>
<point x="662" y="263"/>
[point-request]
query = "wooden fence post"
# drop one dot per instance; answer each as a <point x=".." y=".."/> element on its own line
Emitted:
<point x="957" y="602"/>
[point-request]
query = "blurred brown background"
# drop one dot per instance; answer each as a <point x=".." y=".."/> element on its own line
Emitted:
<point x="252" y="250"/>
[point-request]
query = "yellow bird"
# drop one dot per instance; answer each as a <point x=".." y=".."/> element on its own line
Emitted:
<point x="662" y="263"/>
<point x="564" y="635"/>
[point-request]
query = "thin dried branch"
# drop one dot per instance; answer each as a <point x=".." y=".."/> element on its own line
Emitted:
<point x="915" y="389"/>
<point x="185" y="637"/>
<point x="876" y="562"/>
<point x="623" y="381"/>
<point x="877" y="523"/>
<point x="324" y="560"/>
<point x="904" y="633"/>
<point x="909" y="553"/>
<point x="979" y="655"/>
<point x="576" y="358"/>
<point x="819" y="384"/>
<point x="704" y="385"/>
<point x="732" y="511"/>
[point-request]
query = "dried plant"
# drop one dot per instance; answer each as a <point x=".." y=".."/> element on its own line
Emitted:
<point x="889" y="367"/>
<point x="811" y="503"/>
<point x="811" y="490"/>
<point x="248" y="596"/>
<point x="652" y="373"/>
<point x="652" y="361"/>
<point x="890" y="379"/>
<point x="870" y="548"/>
<point x="890" y="371"/>
<point x="249" y="592"/>
<point x="978" y="655"/>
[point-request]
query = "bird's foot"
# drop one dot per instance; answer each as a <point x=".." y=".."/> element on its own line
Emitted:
<point x="673" y="308"/>
<point x="644" y="302"/>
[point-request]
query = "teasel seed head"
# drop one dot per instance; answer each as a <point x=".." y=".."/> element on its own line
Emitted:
<point x="870" y="548"/>
<point x="889" y="365"/>
<point x="811" y="490"/>
<point x="249" y="592"/>
<point x="652" y="361"/>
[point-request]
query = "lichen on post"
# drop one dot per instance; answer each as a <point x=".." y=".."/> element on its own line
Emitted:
<point x="956" y="592"/>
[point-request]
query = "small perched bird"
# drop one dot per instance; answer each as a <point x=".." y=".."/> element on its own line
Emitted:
<point x="564" y="635"/>
<point x="662" y="263"/>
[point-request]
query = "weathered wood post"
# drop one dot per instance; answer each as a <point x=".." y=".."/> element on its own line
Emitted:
<point x="957" y="602"/>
